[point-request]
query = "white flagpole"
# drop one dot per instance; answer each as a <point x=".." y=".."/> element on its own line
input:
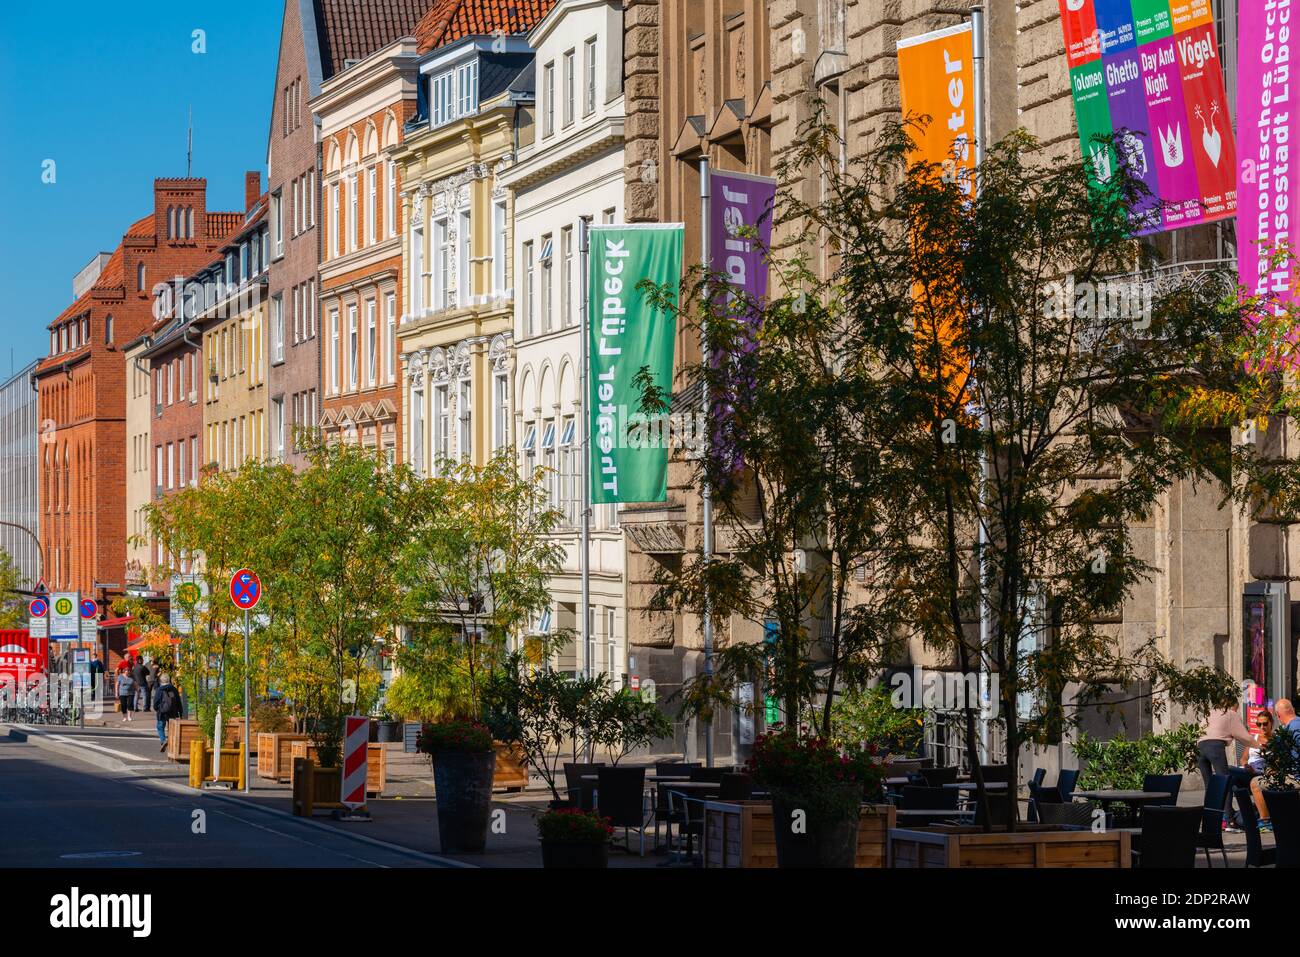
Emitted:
<point x="585" y="546"/>
<point x="706" y="493"/>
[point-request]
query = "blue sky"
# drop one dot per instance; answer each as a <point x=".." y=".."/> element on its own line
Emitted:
<point x="104" y="90"/>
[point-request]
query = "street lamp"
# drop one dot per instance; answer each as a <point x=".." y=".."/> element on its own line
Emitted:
<point x="40" y="553"/>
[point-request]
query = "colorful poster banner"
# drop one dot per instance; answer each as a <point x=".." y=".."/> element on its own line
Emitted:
<point x="936" y="76"/>
<point x="627" y="333"/>
<point x="1149" y="71"/>
<point x="739" y="224"/>
<point x="1267" y="174"/>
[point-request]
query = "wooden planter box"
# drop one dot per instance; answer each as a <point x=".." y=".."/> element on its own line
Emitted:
<point x="315" y="788"/>
<point x="230" y="769"/>
<point x="376" y="764"/>
<point x="275" y="755"/>
<point x="181" y="731"/>
<point x="511" y="771"/>
<point x="740" y="834"/>
<point x="1030" y="846"/>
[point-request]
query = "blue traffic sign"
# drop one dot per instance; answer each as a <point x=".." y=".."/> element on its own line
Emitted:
<point x="89" y="608"/>
<point x="39" y="607"/>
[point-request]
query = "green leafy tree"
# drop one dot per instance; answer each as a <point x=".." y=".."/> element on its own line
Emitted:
<point x="13" y="607"/>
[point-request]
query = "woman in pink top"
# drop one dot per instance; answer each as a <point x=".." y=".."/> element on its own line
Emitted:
<point x="1220" y="730"/>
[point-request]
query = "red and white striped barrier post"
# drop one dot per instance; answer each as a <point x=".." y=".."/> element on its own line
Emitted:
<point x="356" y="737"/>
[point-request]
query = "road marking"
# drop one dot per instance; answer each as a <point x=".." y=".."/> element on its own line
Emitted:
<point x="322" y="847"/>
<point x="64" y="739"/>
<point x="98" y="855"/>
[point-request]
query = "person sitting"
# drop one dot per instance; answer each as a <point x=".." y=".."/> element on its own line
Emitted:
<point x="1255" y="764"/>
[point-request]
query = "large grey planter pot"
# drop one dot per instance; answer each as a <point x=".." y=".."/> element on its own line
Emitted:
<point x="463" y="786"/>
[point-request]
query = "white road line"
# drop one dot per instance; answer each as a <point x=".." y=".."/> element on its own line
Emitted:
<point x="63" y="739"/>
<point x="292" y="837"/>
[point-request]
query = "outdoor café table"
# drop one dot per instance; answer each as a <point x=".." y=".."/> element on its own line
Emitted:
<point x="1134" y="799"/>
<point x="972" y="786"/>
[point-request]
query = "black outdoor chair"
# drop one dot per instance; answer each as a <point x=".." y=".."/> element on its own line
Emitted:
<point x="1001" y="807"/>
<point x="928" y="799"/>
<point x="579" y="790"/>
<point x="1284" y="812"/>
<point x="1168" y="837"/>
<point x="1038" y="796"/>
<point x="1170" y="783"/>
<point x="1211" y="836"/>
<point x="709" y="775"/>
<point x="736" y="787"/>
<point x="682" y="768"/>
<point x="1037" y="777"/>
<point x="664" y="813"/>
<point x="620" y="796"/>
<point x="1066" y="779"/>
<point x="1071" y="813"/>
<point x="995" y="772"/>
<point x="1257" y="855"/>
<point x="938" y="777"/>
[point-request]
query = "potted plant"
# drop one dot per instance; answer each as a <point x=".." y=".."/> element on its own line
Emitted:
<point x="463" y="761"/>
<point x="817" y="792"/>
<point x="385" y="729"/>
<point x="1281" y="788"/>
<point x="574" y="838"/>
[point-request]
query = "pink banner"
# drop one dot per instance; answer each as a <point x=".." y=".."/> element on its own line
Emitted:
<point x="1266" y="172"/>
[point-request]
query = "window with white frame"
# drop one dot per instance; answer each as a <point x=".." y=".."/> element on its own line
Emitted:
<point x="158" y="462"/>
<point x="277" y="326"/>
<point x="548" y="461"/>
<point x="390" y="337"/>
<point x="417" y="271"/>
<point x="589" y="61"/>
<point x="441" y="425"/>
<point x="467" y="88"/>
<point x="548" y="99"/>
<point x="499" y="247"/>
<point x="334" y="220"/>
<point x="464" y="249"/>
<point x="334" y="352"/>
<point x="171" y="465"/>
<point x="464" y="416"/>
<point x="442" y="98"/>
<point x="372" y="204"/>
<point x="277" y="427"/>
<point x="570" y="85"/>
<point x="500" y="411"/>
<point x="569" y="471"/>
<point x="372" y="343"/>
<point x="546" y="293"/>
<point x="613" y="666"/>
<point x="277" y="220"/>
<point x="353" y="355"/>
<point x="530" y="307"/>
<point x="390" y="180"/>
<point x="354" y="218"/>
<point x="442" y="263"/>
<point x="297" y="206"/>
<point x="416" y="438"/>
<point x="566" y="276"/>
<point x="529" y="448"/>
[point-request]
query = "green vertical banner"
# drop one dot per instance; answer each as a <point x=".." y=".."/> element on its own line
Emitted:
<point x="1091" y="107"/>
<point x="627" y="333"/>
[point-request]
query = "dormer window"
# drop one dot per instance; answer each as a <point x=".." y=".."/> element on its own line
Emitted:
<point x="453" y="94"/>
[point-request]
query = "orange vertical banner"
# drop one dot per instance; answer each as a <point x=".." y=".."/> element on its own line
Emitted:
<point x="936" y="74"/>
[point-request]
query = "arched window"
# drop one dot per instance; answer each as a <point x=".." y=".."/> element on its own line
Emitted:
<point x="108" y="330"/>
<point x="171" y="222"/>
<point x="139" y="277"/>
<point x="189" y="223"/>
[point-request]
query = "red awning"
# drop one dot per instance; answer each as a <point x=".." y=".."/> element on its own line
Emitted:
<point x="135" y="640"/>
<point x="116" y="622"/>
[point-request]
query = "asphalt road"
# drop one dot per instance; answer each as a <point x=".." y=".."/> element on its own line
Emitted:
<point x="58" y="811"/>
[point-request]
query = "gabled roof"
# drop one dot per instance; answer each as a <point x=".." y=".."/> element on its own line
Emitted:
<point x="451" y="20"/>
<point x="354" y="29"/>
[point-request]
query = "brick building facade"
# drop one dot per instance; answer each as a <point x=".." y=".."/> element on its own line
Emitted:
<point x="82" y="383"/>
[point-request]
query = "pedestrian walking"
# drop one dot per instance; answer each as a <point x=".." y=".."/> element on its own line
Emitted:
<point x="96" y="677"/>
<point x="167" y="704"/>
<point x="141" y="675"/>
<point x="126" y="694"/>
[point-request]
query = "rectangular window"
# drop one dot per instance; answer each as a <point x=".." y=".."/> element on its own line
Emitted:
<point x="390" y="177"/>
<point x="171" y="465"/>
<point x="568" y="477"/>
<point x="464" y="414"/>
<point x="296" y="218"/>
<point x="334" y="220"/>
<point x="415" y="442"/>
<point x="417" y="272"/>
<point x="442" y="263"/>
<point x="372" y="344"/>
<point x="170" y="385"/>
<point x="390" y="337"/>
<point x="353" y="363"/>
<point x="194" y="460"/>
<point x="566" y="276"/>
<point x="548" y="99"/>
<point x="546" y="257"/>
<point x="334" y="352"/>
<point x="277" y="220"/>
<point x="499" y="247"/>
<point x="464" y="250"/>
<point x="530" y="320"/>
<point x="354" y="218"/>
<point x="589" y="59"/>
<point x="158" y="463"/>
<point x="467" y="88"/>
<point x="442" y="425"/>
<point x="441" y="99"/>
<point x="311" y="309"/>
<point x="296" y="310"/>
<point x="570" y="85"/>
<point x="180" y="464"/>
<point x="372" y="203"/>
<point x="500" y="411"/>
<point x="277" y="326"/>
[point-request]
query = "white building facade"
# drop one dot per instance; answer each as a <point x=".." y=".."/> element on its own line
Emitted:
<point x="572" y="170"/>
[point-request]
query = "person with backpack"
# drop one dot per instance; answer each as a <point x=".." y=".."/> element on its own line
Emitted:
<point x="167" y="704"/>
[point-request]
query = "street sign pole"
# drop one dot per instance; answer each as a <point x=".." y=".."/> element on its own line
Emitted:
<point x="247" y="778"/>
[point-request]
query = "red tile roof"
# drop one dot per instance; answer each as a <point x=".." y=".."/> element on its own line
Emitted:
<point x="354" y="29"/>
<point x="221" y="225"/>
<point x="452" y="20"/>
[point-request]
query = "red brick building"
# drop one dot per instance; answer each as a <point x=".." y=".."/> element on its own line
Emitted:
<point x="82" y="383"/>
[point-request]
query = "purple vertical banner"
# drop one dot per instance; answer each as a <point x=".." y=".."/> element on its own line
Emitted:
<point x="1134" y="143"/>
<point x="1170" y="137"/>
<point x="740" y="231"/>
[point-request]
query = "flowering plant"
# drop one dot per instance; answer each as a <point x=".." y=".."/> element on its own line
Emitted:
<point x="463" y="737"/>
<point x="573" y="824"/>
<point x="815" y="772"/>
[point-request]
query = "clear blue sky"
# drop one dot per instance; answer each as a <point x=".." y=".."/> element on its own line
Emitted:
<point x="103" y="90"/>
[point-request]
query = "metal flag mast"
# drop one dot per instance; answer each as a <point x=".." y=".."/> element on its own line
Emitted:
<point x="977" y="66"/>
<point x="706" y="493"/>
<point x="584" y="547"/>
